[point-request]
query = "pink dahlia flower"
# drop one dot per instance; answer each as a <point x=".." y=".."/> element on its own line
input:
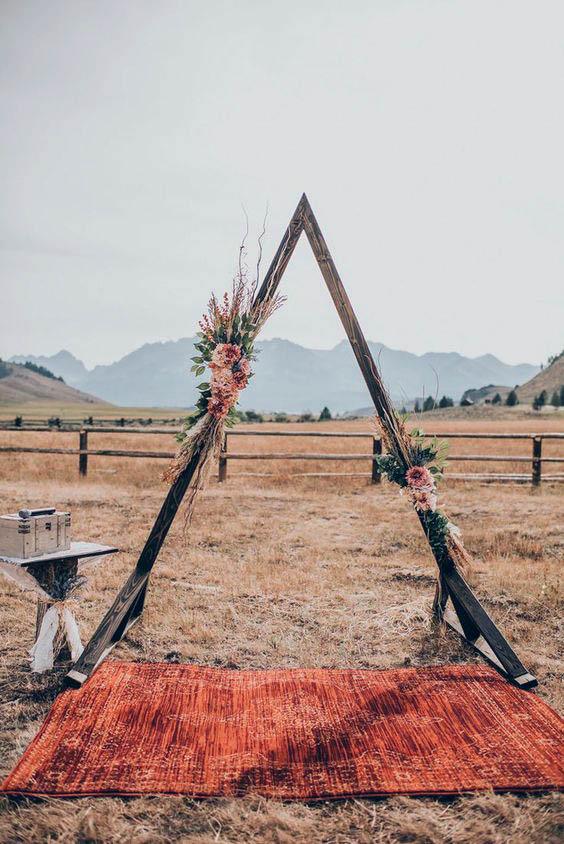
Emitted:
<point x="222" y="380"/>
<point x="419" y="477"/>
<point x="423" y="500"/>
<point x="240" y="379"/>
<point x="241" y="372"/>
<point x="244" y="366"/>
<point x="218" y="407"/>
<point x="225" y="355"/>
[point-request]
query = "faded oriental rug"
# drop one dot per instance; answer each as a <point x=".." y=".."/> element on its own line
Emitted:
<point x="152" y="728"/>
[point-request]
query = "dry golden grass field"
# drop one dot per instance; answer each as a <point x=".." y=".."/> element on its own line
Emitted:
<point x="281" y="571"/>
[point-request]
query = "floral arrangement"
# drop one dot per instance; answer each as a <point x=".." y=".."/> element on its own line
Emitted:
<point x="417" y="467"/>
<point x="226" y="347"/>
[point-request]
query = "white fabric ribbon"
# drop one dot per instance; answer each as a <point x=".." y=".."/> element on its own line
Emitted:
<point x="43" y="652"/>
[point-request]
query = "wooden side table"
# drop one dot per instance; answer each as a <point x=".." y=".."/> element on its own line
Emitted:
<point x="54" y="578"/>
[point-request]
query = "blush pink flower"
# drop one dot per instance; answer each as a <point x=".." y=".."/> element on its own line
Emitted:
<point x="224" y="392"/>
<point x="241" y="373"/>
<point x="222" y="380"/>
<point x="419" y="477"/>
<point x="240" y="379"/>
<point x="218" y="407"/>
<point x="225" y="355"/>
<point x="244" y="366"/>
<point x="423" y="500"/>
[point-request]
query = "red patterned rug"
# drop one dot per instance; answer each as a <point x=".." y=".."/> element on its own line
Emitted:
<point x="152" y="728"/>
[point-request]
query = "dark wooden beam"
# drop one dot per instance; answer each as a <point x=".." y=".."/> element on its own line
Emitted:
<point x="128" y="605"/>
<point x="117" y="618"/>
<point x="524" y="681"/>
<point x="473" y="619"/>
<point x="473" y="611"/>
<point x="344" y="308"/>
<point x="284" y="252"/>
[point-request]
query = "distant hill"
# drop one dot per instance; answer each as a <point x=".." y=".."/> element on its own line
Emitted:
<point x="550" y="378"/>
<point x="22" y="385"/>
<point x="288" y="376"/>
<point x="71" y="370"/>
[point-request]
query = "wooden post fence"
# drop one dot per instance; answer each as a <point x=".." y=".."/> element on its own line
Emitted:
<point x="537" y="461"/>
<point x="222" y="471"/>
<point x="376" y="451"/>
<point x="534" y="474"/>
<point x="83" y="456"/>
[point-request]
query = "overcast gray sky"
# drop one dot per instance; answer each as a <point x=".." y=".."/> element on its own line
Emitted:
<point x="428" y="135"/>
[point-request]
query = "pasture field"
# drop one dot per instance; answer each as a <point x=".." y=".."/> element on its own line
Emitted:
<point x="42" y="410"/>
<point x="281" y="571"/>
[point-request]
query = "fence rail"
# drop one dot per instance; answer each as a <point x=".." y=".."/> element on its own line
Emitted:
<point x="30" y="422"/>
<point x="535" y="459"/>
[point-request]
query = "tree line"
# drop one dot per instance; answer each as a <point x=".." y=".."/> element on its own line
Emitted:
<point x="511" y="400"/>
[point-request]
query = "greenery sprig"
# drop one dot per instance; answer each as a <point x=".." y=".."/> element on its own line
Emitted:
<point x="430" y="454"/>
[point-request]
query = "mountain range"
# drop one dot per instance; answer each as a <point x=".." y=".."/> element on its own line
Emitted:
<point x="19" y="385"/>
<point x="288" y="376"/>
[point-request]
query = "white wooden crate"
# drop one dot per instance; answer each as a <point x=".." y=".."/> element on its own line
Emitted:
<point x="32" y="533"/>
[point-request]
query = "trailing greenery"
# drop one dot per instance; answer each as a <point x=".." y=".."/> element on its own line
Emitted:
<point x="437" y="530"/>
<point x="430" y="454"/>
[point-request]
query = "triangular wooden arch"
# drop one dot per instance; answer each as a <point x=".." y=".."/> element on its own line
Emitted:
<point x="466" y="616"/>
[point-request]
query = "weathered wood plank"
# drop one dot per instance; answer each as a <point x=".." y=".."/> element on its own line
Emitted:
<point x="83" y="453"/>
<point x="472" y="609"/>
<point x="120" y="610"/>
<point x="353" y="434"/>
<point x="525" y="681"/>
<point x="99" y="452"/>
<point x="303" y="475"/>
<point x="283" y="254"/>
<point x="292" y="455"/>
<point x="537" y="461"/>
